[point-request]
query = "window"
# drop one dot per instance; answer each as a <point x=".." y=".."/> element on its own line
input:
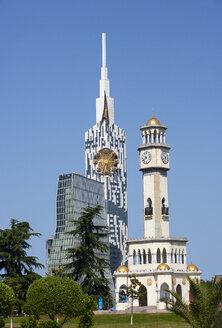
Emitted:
<point x="175" y="257"/>
<point x="144" y="257"/>
<point x="158" y="256"/>
<point x="163" y="294"/>
<point x="179" y="290"/>
<point x="143" y="298"/>
<point x="149" y="209"/>
<point x="182" y="258"/>
<point x="122" y="294"/>
<point x="164" y="256"/>
<point x="149" y="203"/>
<point x="139" y="257"/>
<point x="134" y="257"/>
<point x="163" y="202"/>
<point x="149" y="256"/>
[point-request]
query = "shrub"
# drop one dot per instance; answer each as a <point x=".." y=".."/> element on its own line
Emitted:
<point x="28" y="322"/>
<point x="86" y="321"/>
<point x="2" y="323"/>
<point x="48" y="324"/>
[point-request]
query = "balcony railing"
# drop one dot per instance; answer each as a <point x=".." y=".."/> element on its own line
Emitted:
<point x="165" y="211"/>
<point x="148" y="211"/>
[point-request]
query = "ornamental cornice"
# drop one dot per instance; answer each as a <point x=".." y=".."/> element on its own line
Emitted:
<point x="158" y="239"/>
<point x="153" y="127"/>
<point x="154" y="145"/>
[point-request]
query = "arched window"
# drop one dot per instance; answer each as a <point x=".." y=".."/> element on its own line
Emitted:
<point x="164" y="256"/>
<point x="139" y="257"/>
<point x="149" y="209"/>
<point x="134" y="257"/>
<point x="149" y="256"/>
<point x="122" y="294"/>
<point x="163" y="294"/>
<point x="164" y="208"/>
<point x="175" y="257"/>
<point x="143" y="298"/>
<point x="163" y="202"/>
<point x="158" y="256"/>
<point x="149" y="203"/>
<point x="182" y="257"/>
<point x="144" y="257"/>
<point x="179" y="290"/>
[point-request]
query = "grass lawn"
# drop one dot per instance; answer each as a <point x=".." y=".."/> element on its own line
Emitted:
<point x="154" y="320"/>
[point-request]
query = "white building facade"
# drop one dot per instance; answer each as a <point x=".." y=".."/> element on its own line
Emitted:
<point x="157" y="260"/>
<point x="105" y="161"/>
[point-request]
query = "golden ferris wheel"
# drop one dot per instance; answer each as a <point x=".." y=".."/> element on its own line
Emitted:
<point x="106" y="161"/>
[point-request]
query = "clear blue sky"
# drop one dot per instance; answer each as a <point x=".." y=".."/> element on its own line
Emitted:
<point x="165" y="55"/>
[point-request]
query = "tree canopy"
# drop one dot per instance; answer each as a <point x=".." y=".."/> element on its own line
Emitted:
<point x="86" y="266"/>
<point x="16" y="267"/>
<point x="203" y="310"/>
<point x="57" y="296"/>
<point x="7" y="299"/>
<point x="14" y="261"/>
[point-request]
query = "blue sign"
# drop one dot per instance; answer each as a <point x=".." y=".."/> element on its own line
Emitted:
<point x="100" y="303"/>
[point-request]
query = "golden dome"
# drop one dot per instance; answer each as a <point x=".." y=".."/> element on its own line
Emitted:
<point x="122" y="268"/>
<point x="153" y="121"/>
<point x="192" y="268"/>
<point x="163" y="266"/>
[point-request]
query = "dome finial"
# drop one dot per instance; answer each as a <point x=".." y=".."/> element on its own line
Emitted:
<point x="153" y="120"/>
<point x="122" y="268"/>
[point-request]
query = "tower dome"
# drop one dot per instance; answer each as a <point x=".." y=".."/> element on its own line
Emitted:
<point x="122" y="268"/>
<point x="163" y="266"/>
<point x="153" y="121"/>
<point x="192" y="268"/>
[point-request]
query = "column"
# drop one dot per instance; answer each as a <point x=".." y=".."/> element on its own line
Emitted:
<point x="164" y="138"/>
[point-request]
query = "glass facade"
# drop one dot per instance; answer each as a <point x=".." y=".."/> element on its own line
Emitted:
<point x="74" y="193"/>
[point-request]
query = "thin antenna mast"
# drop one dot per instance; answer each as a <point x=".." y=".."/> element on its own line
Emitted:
<point x="104" y="49"/>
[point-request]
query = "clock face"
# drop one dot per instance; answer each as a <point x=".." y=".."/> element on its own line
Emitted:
<point x="106" y="161"/>
<point x="146" y="157"/>
<point x="165" y="157"/>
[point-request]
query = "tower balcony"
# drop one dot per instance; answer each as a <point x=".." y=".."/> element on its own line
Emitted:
<point x="165" y="211"/>
<point x="148" y="211"/>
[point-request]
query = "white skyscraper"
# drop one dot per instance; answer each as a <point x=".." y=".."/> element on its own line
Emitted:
<point x="105" y="161"/>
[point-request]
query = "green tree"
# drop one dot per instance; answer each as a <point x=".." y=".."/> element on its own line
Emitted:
<point x="203" y="310"/>
<point x="7" y="299"/>
<point x="56" y="296"/>
<point x="132" y="291"/>
<point x="85" y="265"/>
<point x="16" y="267"/>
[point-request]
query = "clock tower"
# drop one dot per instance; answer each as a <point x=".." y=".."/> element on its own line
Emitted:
<point x="154" y="163"/>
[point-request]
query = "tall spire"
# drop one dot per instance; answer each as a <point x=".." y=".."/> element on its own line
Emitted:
<point x="104" y="82"/>
<point x="104" y="100"/>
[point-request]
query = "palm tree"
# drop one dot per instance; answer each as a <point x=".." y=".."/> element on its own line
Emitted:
<point x="204" y="308"/>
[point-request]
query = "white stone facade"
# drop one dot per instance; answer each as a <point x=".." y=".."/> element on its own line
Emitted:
<point x="106" y="134"/>
<point x="158" y="261"/>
